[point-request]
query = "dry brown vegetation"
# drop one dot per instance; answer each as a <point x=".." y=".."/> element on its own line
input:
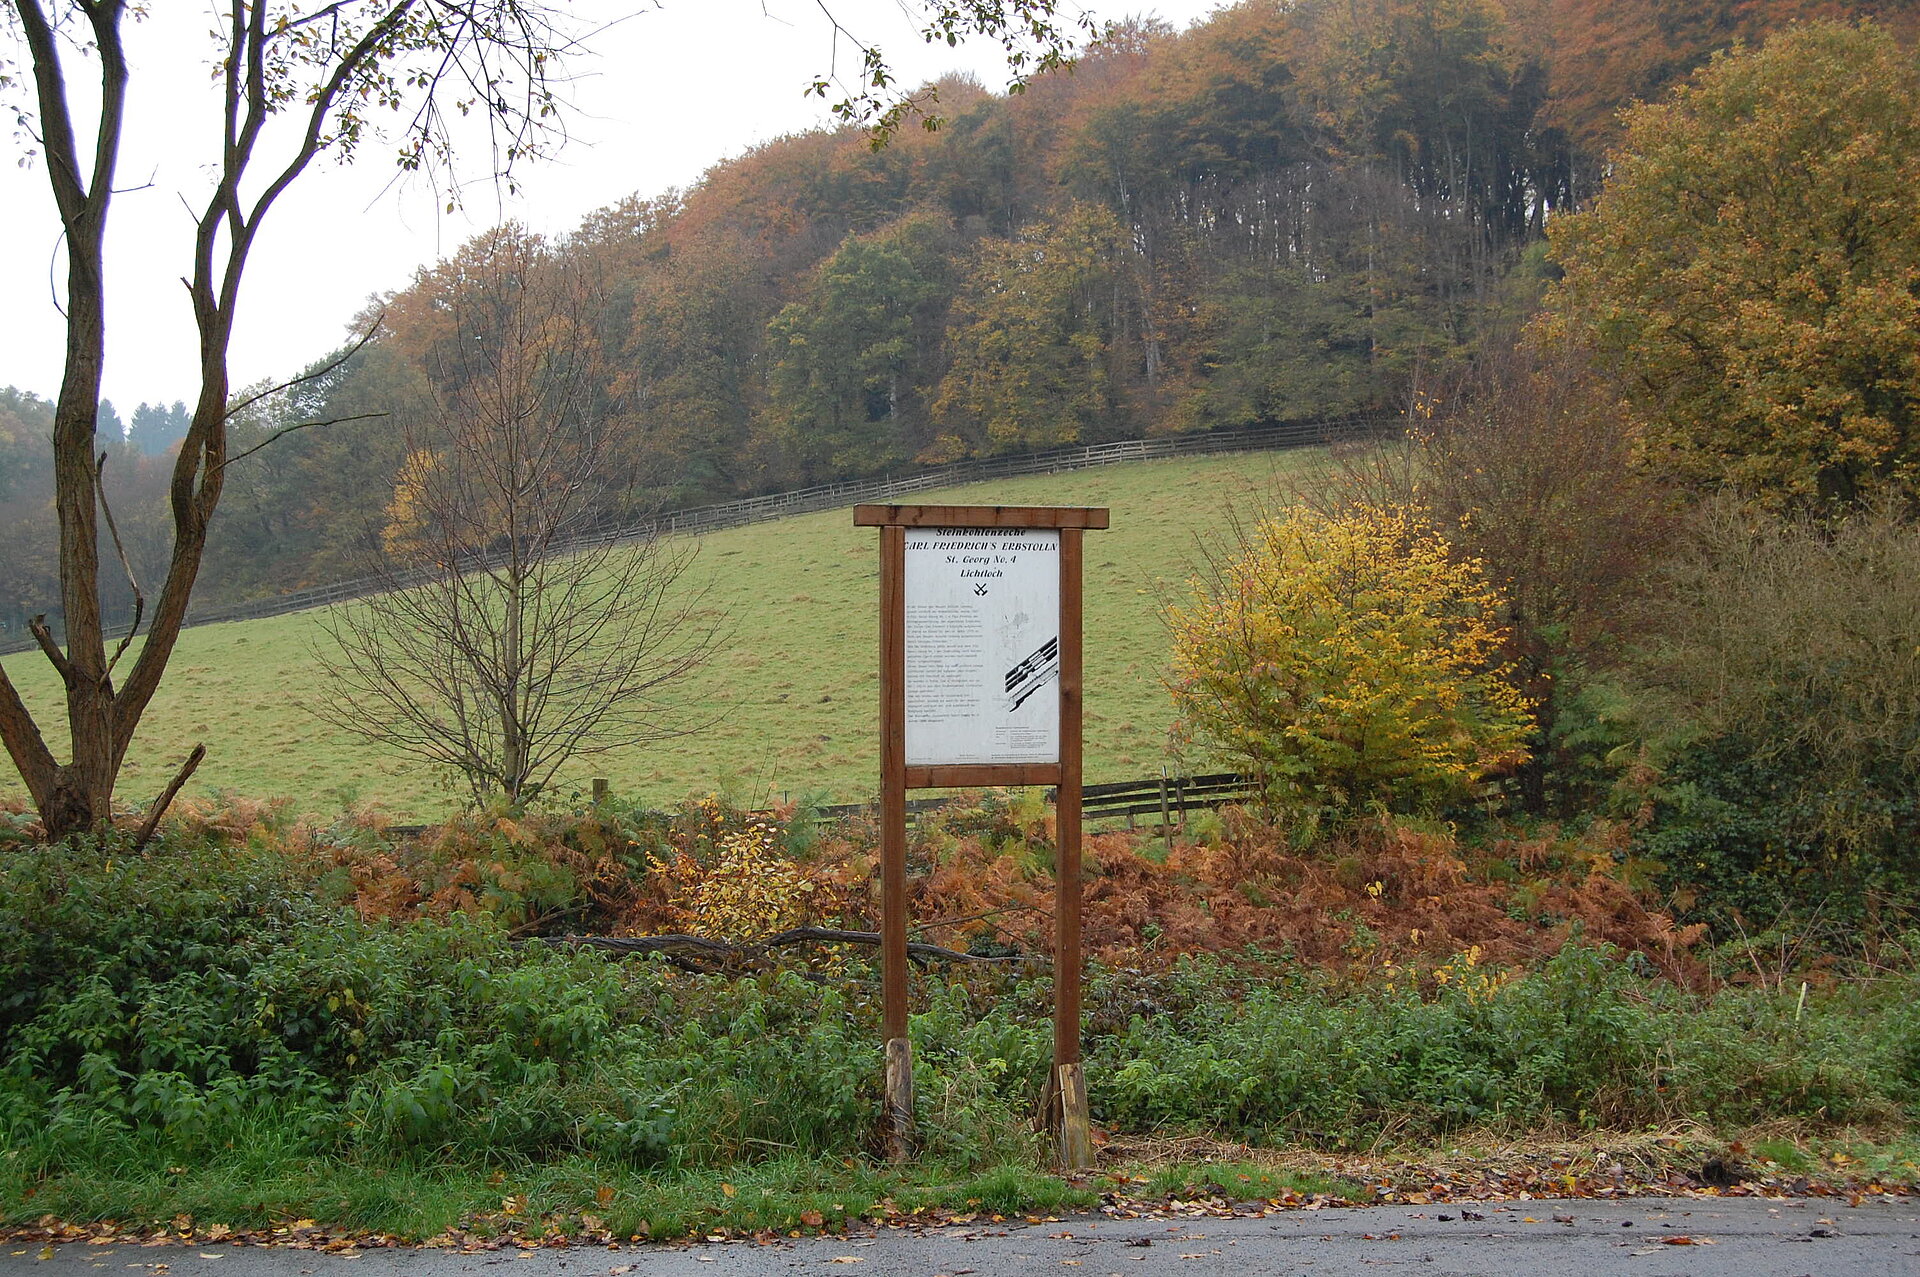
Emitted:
<point x="1385" y="894"/>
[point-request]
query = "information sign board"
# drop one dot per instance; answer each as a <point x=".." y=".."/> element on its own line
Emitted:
<point x="980" y="626"/>
<point x="982" y="646"/>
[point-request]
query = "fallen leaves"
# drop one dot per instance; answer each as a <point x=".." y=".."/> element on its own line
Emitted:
<point x="1678" y="1239"/>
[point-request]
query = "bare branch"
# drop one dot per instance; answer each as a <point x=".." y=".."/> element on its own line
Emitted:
<point x="120" y="550"/>
<point x="44" y="637"/>
<point x="53" y="283"/>
<point x="694" y="948"/>
<point x="357" y="62"/>
<point x="56" y="120"/>
<point x="493" y="652"/>
<point x="312" y="374"/>
<point x="126" y="640"/>
<point x="166" y="798"/>
<point x="25" y="744"/>
<point x="284" y="431"/>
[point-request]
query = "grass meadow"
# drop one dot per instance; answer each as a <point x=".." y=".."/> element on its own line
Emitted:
<point x="793" y="697"/>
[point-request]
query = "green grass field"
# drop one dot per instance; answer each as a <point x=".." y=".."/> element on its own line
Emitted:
<point x="796" y="689"/>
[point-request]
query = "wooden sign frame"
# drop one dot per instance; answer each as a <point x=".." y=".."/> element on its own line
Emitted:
<point x="1066" y="1105"/>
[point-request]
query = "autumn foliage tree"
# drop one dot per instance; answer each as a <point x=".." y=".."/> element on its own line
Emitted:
<point x="1752" y="269"/>
<point x="1348" y="661"/>
<point x="1034" y="334"/>
<point x="850" y="357"/>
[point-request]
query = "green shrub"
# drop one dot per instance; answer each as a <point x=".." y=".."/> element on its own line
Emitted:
<point x="126" y="978"/>
<point x="1785" y="692"/>
<point x="166" y="1008"/>
<point x="1584" y="1039"/>
<point x="189" y="992"/>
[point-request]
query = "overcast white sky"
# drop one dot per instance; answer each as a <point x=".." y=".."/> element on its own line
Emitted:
<point x="663" y="96"/>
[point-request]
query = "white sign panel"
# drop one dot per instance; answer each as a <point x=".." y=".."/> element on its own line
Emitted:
<point x="983" y="646"/>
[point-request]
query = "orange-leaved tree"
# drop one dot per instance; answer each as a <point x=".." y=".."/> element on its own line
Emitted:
<point x="1349" y="661"/>
<point x="1752" y="270"/>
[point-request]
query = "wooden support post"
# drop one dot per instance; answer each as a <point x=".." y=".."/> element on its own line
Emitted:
<point x="1073" y="1146"/>
<point x="893" y="841"/>
<point x="600" y="790"/>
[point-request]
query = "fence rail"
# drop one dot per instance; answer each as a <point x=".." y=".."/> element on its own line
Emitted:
<point x="1171" y="797"/>
<point x="1166" y="796"/>
<point x="826" y="496"/>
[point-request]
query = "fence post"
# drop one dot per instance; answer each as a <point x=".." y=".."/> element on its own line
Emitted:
<point x="1166" y="818"/>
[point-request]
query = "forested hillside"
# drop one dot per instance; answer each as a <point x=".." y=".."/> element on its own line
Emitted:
<point x="1292" y="211"/>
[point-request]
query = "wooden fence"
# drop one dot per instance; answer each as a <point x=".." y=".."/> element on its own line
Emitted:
<point x="1169" y="797"/>
<point x="828" y="496"/>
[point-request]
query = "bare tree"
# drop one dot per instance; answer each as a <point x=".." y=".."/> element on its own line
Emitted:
<point x="1526" y="464"/>
<point x="298" y="79"/>
<point x="501" y="647"/>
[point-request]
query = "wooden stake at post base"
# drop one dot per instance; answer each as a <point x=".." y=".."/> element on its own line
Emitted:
<point x="1019" y="761"/>
<point x="1076" y="1128"/>
<point x="900" y="1099"/>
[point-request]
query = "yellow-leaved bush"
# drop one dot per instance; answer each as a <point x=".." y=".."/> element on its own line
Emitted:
<point x="1349" y="661"/>
<point x="751" y="890"/>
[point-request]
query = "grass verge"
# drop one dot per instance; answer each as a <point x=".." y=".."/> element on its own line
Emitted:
<point x="258" y="1195"/>
<point x="253" y="1193"/>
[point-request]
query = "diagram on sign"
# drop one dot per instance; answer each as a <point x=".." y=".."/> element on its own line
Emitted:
<point x="982" y="646"/>
<point x="1032" y="674"/>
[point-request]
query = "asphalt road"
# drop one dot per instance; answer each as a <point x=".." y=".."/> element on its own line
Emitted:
<point x="1747" y="1237"/>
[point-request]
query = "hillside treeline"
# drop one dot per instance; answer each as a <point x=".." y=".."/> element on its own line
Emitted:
<point x="135" y="477"/>
<point x="1293" y="211"/>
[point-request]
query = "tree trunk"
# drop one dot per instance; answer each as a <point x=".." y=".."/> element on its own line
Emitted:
<point x="77" y="796"/>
